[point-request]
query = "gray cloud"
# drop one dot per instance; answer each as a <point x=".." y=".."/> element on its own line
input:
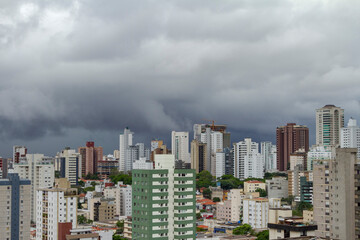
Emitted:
<point x="74" y="70"/>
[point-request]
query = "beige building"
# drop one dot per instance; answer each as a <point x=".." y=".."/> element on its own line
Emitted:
<point x="128" y="228"/>
<point x="252" y="186"/>
<point x="329" y="121"/>
<point x="236" y="196"/>
<point x="198" y="156"/>
<point x="102" y="210"/>
<point x="255" y="212"/>
<point x="223" y="210"/>
<point x="294" y="180"/>
<point x="298" y="158"/>
<point x="216" y="192"/>
<point x="14" y="208"/>
<point x="336" y="189"/>
<point x="308" y="216"/>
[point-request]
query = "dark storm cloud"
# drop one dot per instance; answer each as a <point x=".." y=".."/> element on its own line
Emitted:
<point x="77" y="68"/>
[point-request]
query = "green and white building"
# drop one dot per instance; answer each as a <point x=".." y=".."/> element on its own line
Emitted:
<point x="163" y="201"/>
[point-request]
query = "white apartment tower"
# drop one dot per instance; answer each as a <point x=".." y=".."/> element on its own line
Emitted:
<point x="180" y="146"/>
<point x="123" y="200"/>
<point x="329" y="121"/>
<point x="255" y="212"/>
<point x="253" y="165"/>
<point x="350" y="136"/>
<point x="40" y="170"/>
<point x="68" y="163"/>
<point x="242" y="149"/>
<point x="268" y="152"/>
<point x="54" y="206"/>
<point x="125" y="141"/>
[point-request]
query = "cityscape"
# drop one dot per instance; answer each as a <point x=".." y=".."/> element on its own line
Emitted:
<point x="179" y="120"/>
<point x="205" y="185"/>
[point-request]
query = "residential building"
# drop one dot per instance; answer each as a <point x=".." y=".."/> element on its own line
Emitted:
<point x="294" y="180"/>
<point x="3" y="167"/>
<point x="298" y="158"/>
<point x="101" y="209"/>
<point x="223" y="211"/>
<point x="83" y="234"/>
<point x="123" y="200"/>
<point x="156" y="144"/>
<point x="180" y="146"/>
<point x="55" y="205"/>
<point x="163" y="201"/>
<point x="229" y="161"/>
<point x="308" y="216"/>
<point x="15" y="207"/>
<point x="160" y="150"/>
<point x="317" y="153"/>
<point x="282" y="225"/>
<point x="125" y="140"/>
<point x="220" y="164"/>
<point x="106" y="167"/>
<point x="350" y="136"/>
<point x="40" y="171"/>
<point x="277" y="187"/>
<point x="18" y="153"/>
<point x="336" y="192"/>
<point x="253" y="165"/>
<point x="306" y="190"/>
<point x="199" y="156"/>
<point x="289" y="139"/>
<point x="268" y="152"/>
<point x="128" y="228"/>
<point x="253" y="185"/>
<point x="236" y="196"/>
<point x="90" y="156"/>
<point x="329" y="121"/>
<point x="255" y="212"/>
<point x="242" y="149"/>
<point x="142" y="163"/>
<point x="68" y="163"/>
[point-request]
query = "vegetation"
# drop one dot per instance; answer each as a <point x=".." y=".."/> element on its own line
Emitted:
<point x="268" y="175"/>
<point x="243" y="230"/>
<point x="120" y="225"/>
<point x="262" y="192"/>
<point x="200" y="229"/>
<point x="228" y="182"/>
<point x="198" y="215"/>
<point x="83" y="220"/>
<point x="90" y="176"/>
<point x="89" y="189"/>
<point x="288" y="200"/>
<point x="204" y="179"/>
<point x="263" y="235"/>
<point x="202" y="210"/>
<point x="121" y="177"/>
<point x="57" y="174"/>
<point x="118" y="237"/>
<point x="216" y="199"/>
<point x="207" y="193"/>
<point x="81" y="183"/>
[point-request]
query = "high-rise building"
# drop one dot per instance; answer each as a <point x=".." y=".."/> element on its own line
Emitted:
<point x="336" y="195"/>
<point x="125" y="140"/>
<point x="123" y="200"/>
<point x="253" y="165"/>
<point x="163" y="201"/>
<point x="229" y="161"/>
<point x="317" y="153"/>
<point x="3" y="167"/>
<point x="198" y="156"/>
<point x="40" y="170"/>
<point x="220" y="164"/>
<point x="156" y="144"/>
<point x="14" y="207"/>
<point x="180" y="146"/>
<point x="350" y="136"/>
<point x="256" y="212"/>
<point x="298" y="157"/>
<point x="242" y="149"/>
<point x="19" y="152"/>
<point x="55" y="205"/>
<point x="90" y="155"/>
<point x="289" y="139"/>
<point x="329" y="121"/>
<point x="68" y="163"/>
<point x="268" y="152"/>
<point x="106" y="167"/>
<point x="294" y="177"/>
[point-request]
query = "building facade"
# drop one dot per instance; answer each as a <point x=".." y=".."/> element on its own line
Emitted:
<point x="329" y="121"/>
<point x="289" y="139"/>
<point x="255" y="212"/>
<point x="68" y="163"/>
<point x="125" y="140"/>
<point x="350" y="136"/>
<point x="90" y="156"/>
<point x="180" y="146"/>
<point x="199" y="156"/>
<point x="163" y="201"/>
<point x="242" y="149"/>
<point x="15" y="208"/>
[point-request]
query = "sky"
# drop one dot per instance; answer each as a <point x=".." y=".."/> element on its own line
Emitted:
<point x="79" y="70"/>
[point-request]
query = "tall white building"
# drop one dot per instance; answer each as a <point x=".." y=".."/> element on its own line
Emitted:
<point x="54" y="206"/>
<point x="126" y="140"/>
<point x="268" y="152"/>
<point x="350" y="136"/>
<point x="180" y="146"/>
<point x="253" y="165"/>
<point x="214" y="143"/>
<point x="220" y="164"/>
<point x="255" y="212"/>
<point x="68" y="163"/>
<point x="142" y="163"/>
<point x="40" y="170"/>
<point x="241" y="149"/>
<point x="329" y="121"/>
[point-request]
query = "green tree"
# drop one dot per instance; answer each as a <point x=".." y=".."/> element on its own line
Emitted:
<point x="288" y="200"/>
<point x="120" y="225"/>
<point x="207" y="193"/>
<point x="228" y="182"/>
<point x="125" y="178"/>
<point x="118" y="237"/>
<point x="57" y="174"/>
<point x="268" y="175"/>
<point x="262" y="192"/>
<point x="263" y="235"/>
<point x="81" y="219"/>
<point x="204" y="179"/>
<point x="216" y="199"/>
<point x="90" y="176"/>
<point x="243" y="230"/>
<point x="81" y="183"/>
<point x="198" y="215"/>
